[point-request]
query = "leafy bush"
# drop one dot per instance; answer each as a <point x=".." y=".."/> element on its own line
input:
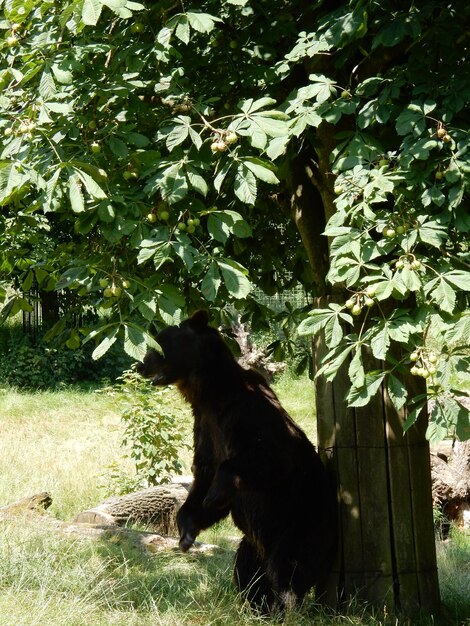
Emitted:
<point x="36" y="364"/>
<point x="152" y="434"/>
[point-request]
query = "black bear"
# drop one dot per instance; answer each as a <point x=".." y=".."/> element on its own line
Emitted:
<point x="252" y="461"/>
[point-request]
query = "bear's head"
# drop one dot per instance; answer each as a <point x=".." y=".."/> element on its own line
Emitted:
<point x="187" y="349"/>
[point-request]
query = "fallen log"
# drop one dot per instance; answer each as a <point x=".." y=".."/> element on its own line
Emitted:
<point x="99" y="524"/>
<point x="36" y="504"/>
<point x="155" y="507"/>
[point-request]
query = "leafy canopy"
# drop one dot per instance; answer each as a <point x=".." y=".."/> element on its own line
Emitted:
<point x="146" y="154"/>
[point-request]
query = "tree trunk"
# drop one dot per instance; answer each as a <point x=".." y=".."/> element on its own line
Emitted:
<point x="156" y="507"/>
<point x="386" y="552"/>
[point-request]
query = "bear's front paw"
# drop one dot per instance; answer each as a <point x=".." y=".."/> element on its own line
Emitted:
<point x="186" y="541"/>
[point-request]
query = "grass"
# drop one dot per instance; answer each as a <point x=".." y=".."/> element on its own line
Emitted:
<point x="62" y="442"/>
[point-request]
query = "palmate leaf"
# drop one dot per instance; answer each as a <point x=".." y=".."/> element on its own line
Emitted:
<point x="235" y="280"/>
<point x="91" y="11"/>
<point x="211" y="282"/>
<point x="196" y="181"/>
<point x="413" y="118"/>
<point x="244" y="185"/>
<point x="135" y="342"/>
<point x="105" y="344"/>
<point x="444" y="295"/>
<point x="170" y="303"/>
<point x="221" y="224"/>
<point x="330" y="320"/>
<point x="396" y="391"/>
<point x="75" y="193"/>
<point x="202" y="22"/>
<point x="360" y="396"/>
<point x="438" y="425"/>
<point x="321" y="88"/>
<point x="316" y="320"/>
<point x="334" y="360"/>
<point x="262" y="170"/>
<point x="47" y="86"/>
<point x="178" y="134"/>
<point x="380" y="341"/>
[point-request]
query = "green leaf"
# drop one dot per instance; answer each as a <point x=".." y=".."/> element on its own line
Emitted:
<point x="105" y="344"/>
<point x="91" y="12"/>
<point x="413" y="118"/>
<point x="321" y="88"/>
<point x="170" y="303"/>
<point x="185" y="251"/>
<point x="118" y="147"/>
<point x="410" y="279"/>
<point x="356" y="371"/>
<point x="174" y="185"/>
<point x="437" y="427"/>
<point x="459" y="278"/>
<point x="334" y="360"/>
<point x="75" y="193"/>
<point x="380" y="341"/>
<point x="135" y="344"/>
<point x="179" y="132"/>
<point x="396" y="392"/>
<point x="433" y="233"/>
<point x="250" y="105"/>
<point x="91" y="185"/>
<point x="315" y="321"/>
<point x="261" y="170"/>
<point x="360" y="396"/>
<point x="235" y="281"/>
<point x="18" y="10"/>
<point x="415" y="412"/>
<point x="433" y="195"/>
<point x="47" y="87"/>
<point x="196" y="181"/>
<point x="221" y="224"/>
<point x="147" y="306"/>
<point x="459" y="330"/>
<point x="211" y="282"/>
<point x="462" y="428"/>
<point x="11" y="308"/>
<point x="202" y="22"/>
<point x="444" y="295"/>
<point x="182" y="30"/>
<point x="245" y="185"/>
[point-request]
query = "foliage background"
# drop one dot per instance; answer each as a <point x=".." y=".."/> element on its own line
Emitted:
<point x="150" y="164"/>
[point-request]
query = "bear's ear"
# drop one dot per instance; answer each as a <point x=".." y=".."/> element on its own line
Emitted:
<point x="199" y="320"/>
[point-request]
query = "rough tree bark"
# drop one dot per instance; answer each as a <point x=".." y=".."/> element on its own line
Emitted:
<point x="155" y="507"/>
<point x="451" y="482"/>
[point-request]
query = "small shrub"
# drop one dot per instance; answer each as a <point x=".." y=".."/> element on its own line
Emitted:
<point x="152" y="434"/>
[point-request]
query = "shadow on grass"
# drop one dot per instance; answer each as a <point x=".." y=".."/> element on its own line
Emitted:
<point x="197" y="588"/>
<point x="167" y="581"/>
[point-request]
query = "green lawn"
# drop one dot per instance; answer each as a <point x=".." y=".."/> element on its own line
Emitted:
<point x="63" y="442"/>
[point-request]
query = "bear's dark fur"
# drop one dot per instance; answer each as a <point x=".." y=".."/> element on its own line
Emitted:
<point x="250" y="460"/>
